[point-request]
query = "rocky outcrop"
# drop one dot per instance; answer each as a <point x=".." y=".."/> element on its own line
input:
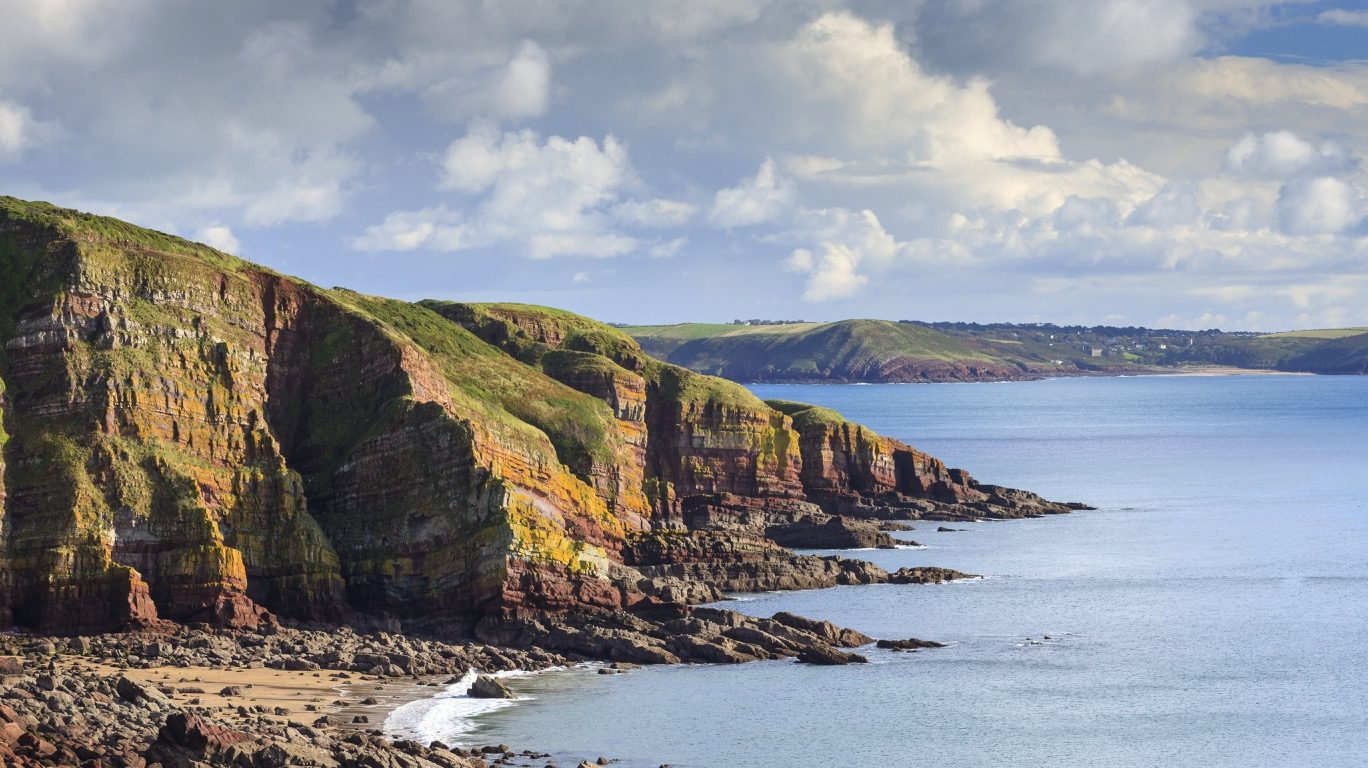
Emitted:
<point x="189" y="437"/>
<point x="849" y="470"/>
<point x="927" y="576"/>
<point x="671" y="634"/>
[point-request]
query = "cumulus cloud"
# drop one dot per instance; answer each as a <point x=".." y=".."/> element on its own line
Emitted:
<point x="1319" y="206"/>
<point x="555" y="196"/>
<point x="552" y="194"/>
<point x="219" y="236"/>
<point x="852" y="85"/>
<point x="437" y="228"/>
<point x="765" y="197"/>
<point x="848" y="246"/>
<point x="1280" y="154"/>
<point x="1173" y="206"/>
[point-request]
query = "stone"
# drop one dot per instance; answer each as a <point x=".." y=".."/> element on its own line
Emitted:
<point x="908" y="644"/>
<point x="134" y="691"/>
<point x="827" y="656"/>
<point x="927" y="576"/>
<point x="486" y="687"/>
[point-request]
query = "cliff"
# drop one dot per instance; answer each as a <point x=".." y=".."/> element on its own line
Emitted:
<point x="194" y="438"/>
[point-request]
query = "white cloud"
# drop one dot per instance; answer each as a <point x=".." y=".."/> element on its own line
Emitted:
<point x="1341" y="17"/>
<point x="655" y="213"/>
<point x="437" y="228"/>
<point x="14" y="128"/>
<point x="219" y="236"/>
<point x="551" y="194"/>
<point x="1173" y="206"/>
<point x="849" y="245"/>
<point x="1319" y="206"/>
<point x="524" y="90"/>
<point x="758" y="200"/>
<point x="850" y="84"/>
<point x="513" y="89"/>
<point x="668" y="249"/>
<point x="1279" y="154"/>
<point x="555" y="196"/>
<point x="1256" y="81"/>
<point x="580" y="278"/>
<point x="598" y="245"/>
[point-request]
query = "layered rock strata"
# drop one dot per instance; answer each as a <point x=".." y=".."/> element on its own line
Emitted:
<point x="193" y="438"/>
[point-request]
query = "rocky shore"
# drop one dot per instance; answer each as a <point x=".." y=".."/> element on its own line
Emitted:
<point x="186" y="697"/>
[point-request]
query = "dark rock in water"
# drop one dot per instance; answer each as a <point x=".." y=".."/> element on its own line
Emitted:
<point x="486" y="687"/>
<point x="831" y="633"/>
<point x="943" y="529"/>
<point x="828" y="656"/>
<point x="927" y="576"/>
<point x="911" y="643"/>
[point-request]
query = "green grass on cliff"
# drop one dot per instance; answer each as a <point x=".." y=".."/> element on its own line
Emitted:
<point x="528" y="331"/>
<point x="88" y="227"/>
<point x="582" y="334"/>
<point x="494" y="385"/>
<point x="806" y="416"/>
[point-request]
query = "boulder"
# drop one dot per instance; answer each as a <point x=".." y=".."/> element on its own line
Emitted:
<point x="828" y="656"/>
<point x="486" y="687"/>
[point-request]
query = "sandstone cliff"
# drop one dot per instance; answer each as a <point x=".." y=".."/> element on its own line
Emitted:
<point x="186" y="436"/>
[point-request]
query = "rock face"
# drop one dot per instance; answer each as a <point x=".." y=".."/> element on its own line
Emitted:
<point x="185" y="436"/>
<point x="487" y="687"/>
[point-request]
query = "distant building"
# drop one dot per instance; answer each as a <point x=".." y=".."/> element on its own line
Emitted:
<point x="1096" y="351"/>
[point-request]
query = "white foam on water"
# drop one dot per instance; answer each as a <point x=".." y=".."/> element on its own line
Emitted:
<point x="449" y="716"/>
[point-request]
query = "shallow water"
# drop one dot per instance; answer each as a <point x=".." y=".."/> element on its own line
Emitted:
<point x="1212" y="612"/>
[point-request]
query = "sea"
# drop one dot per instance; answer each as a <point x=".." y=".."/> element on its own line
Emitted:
<point x="1211" y="612"/>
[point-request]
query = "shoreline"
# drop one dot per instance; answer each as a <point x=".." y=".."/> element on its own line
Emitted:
<point x="1193" y="371"/>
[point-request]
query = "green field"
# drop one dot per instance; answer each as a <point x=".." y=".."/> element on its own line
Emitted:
<point x="1317" y="333"/>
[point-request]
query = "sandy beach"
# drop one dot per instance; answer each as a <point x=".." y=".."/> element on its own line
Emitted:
<point x="353" y="700"/>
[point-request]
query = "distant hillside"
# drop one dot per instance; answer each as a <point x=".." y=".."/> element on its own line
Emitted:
<point x="1337" y="355"/>
<point x="849" y="350"/>
<point x="904" y="351"/>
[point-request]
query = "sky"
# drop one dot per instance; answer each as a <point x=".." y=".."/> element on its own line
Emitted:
<point x="1174" y="163"/>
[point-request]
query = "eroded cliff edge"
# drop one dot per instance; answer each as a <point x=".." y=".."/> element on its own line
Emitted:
<point x="190" y="437"/>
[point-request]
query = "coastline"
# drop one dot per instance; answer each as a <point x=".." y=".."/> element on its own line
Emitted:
<point x="1043" y="375"/>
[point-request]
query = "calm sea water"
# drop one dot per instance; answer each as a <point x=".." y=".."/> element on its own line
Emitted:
<point x="1213" y="611"/>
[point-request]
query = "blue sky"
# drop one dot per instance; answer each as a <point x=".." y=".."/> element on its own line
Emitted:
<point x="1186" y="163"/>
